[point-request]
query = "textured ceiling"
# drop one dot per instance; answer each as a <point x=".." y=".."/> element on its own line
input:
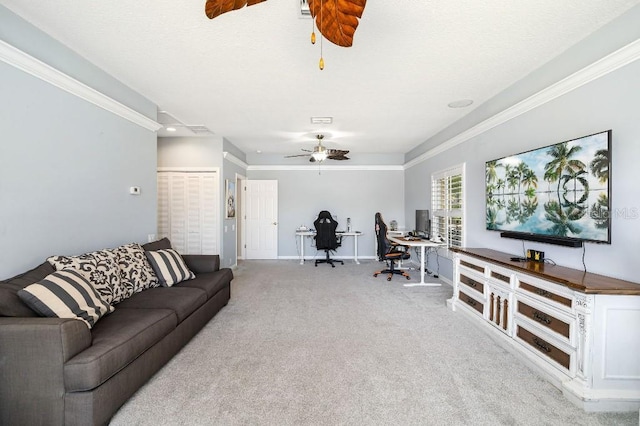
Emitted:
<point x="252" y="75"/>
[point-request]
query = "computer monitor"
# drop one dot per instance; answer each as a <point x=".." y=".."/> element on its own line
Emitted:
<point x="423" y="223"/>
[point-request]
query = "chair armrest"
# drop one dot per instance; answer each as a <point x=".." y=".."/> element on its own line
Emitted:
<point x="201" y="263"/>
<point x="33" y="352"/>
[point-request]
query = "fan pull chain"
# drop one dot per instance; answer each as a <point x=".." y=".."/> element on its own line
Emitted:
<point x="313" y="30"/>
<point x="321" y="64"/>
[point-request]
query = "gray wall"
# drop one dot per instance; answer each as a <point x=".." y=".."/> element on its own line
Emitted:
<point x="606" y="103"/>
<point x="190" y="152"/>
<point x="230" y="170"/>
<point x="357" y="194"/>
<point x="66" y="165"/>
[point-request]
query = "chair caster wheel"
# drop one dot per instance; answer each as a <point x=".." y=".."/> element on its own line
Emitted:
<point x="408" y="277"/>
<point x="375" y="275"/>
<point x="316" y="265"/>
<point x="388" y="278"/>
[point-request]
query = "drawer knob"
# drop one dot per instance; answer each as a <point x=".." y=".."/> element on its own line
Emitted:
<point x="541" y="344"/>
<point x="541" y="317"/>
<point x="471" y="301"/>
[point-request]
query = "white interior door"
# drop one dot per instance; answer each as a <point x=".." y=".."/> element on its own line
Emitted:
<point x="261" y="213"/>
<point x="188" y="211"/>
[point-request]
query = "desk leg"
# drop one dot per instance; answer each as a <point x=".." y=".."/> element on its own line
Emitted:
<point x="355" y="249"/>
<point x="302" y="249"/>
<point x="423" y="261"/>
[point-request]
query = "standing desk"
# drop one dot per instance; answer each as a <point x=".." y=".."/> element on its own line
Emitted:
<point x="312" y="233"/>
<point x="423" y="244"/>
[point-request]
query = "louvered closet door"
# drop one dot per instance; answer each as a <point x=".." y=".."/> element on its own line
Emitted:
<point x="188" y="211"/>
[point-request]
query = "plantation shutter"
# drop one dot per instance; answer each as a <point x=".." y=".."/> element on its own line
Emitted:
<point x="447" y="205"/>
<point x="188" y="211"/>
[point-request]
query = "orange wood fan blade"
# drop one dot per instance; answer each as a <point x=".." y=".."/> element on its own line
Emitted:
<point x="337" y="20"/>
<point x="213" y="8"/>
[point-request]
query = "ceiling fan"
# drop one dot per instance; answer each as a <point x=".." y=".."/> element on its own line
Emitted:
<point x="337" y="20"/>
<point x="320" y="153"/>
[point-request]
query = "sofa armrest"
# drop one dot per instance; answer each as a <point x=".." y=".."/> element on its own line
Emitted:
<point x="200" y="263"/>
<point x="32" y="356"/>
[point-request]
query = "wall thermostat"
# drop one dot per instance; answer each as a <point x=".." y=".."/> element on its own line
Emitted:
<point x="134" y="190"/>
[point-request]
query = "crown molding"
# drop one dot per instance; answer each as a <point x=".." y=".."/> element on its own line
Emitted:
<point x="27" y="63"/>
<point x="235" y="160"/>
<point x="323" y="167"/>
<point x="599" y="68"/>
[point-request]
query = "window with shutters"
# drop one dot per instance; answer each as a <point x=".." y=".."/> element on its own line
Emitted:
<point x="188" y="211"/>
<point x="447" y="205"/>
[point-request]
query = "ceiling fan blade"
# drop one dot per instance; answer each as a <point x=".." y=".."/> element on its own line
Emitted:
<point x="337" y="152"/>
<point x="298" y="155"/>
<point x="338" y="19"/>
<point x="213" y="8"/>
<point x="337" y="157"/>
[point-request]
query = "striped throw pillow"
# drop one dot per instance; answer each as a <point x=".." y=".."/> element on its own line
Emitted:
<point x="169" y="267"/>
<point x="66" y="294"/>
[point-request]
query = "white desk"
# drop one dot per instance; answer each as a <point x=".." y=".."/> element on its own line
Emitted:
<point x="312" y="233"/>
<point x="423" y="244"/>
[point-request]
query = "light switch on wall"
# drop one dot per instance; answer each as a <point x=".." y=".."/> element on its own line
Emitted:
<point x="225" y="228"/>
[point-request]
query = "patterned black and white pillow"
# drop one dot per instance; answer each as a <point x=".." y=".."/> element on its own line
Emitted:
<point x="101" y="269"/>
<point x="66" y="294"/>
<point x="169" y="267"/>
<point x="135" y="270"/>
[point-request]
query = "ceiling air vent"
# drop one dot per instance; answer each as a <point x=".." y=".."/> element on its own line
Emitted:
<point x="199" y="130"/>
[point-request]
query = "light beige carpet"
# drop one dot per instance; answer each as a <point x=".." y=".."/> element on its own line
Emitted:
<point x="305" y="345"/>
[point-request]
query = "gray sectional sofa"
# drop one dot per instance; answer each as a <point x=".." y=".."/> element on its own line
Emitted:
<point x="59" y="371"/>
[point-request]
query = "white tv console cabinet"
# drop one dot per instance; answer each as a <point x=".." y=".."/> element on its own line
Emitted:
<point x="581" y="331"/>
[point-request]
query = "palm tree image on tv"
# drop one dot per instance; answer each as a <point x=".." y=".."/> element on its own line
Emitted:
<point x="560" y="190"/>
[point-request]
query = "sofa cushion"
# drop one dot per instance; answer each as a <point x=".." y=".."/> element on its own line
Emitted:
<point x="10" y="304"/>
<point x="118" y="339"/>
<point x="101" y="268"/>
<point x="66" y="294"/>
<point x="210" y="282"/>
<point x="199" y="263"/>
<point x="183" y="301"/>
<point x="161" y="244"/>
<point x="135" y="270"/>
<point x="169" y="267"/>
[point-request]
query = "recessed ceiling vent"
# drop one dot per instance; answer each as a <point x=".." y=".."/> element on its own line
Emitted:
<point x="199" y="129"/>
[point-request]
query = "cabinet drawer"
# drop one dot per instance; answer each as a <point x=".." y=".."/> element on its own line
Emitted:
<point x="472" y="283"/>
<point x="470" y="301"/>
<point x="506" y="279"/>
<point x="544" y="347"/>
<point x="473" y="266"/>
<point x="545" y="319"/>
<point x="530" y="287"/>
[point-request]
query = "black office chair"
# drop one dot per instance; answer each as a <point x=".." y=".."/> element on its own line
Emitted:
<point x="389" y="252"/>
<point x="326" y="238"/>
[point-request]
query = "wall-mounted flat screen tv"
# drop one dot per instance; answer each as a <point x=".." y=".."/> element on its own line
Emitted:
<point x="558" y="193"/>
